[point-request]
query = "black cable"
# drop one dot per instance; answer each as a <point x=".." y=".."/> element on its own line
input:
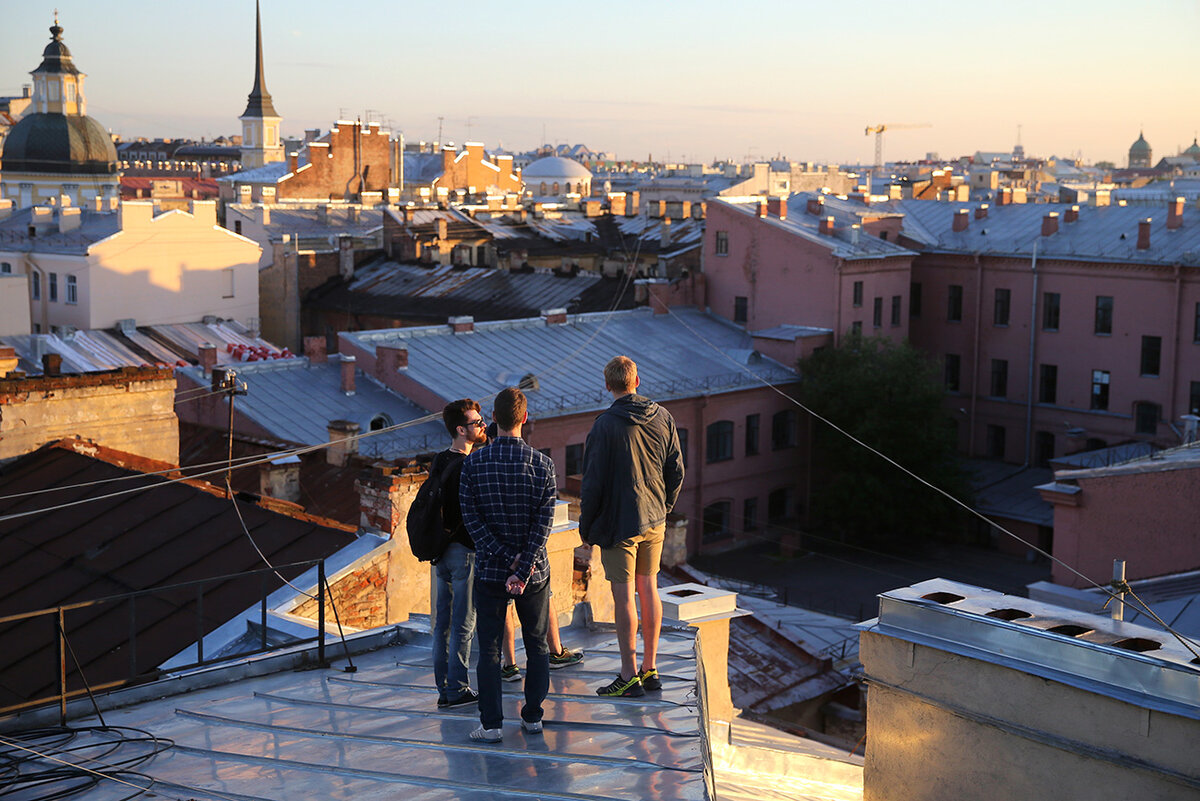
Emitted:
<point x="60" y="762"/>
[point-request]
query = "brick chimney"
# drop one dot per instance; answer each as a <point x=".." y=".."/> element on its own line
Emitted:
<point x="349" y="364"/>
<point x="462" y="325"/>
<point x="1175" y="214"/>
<point x="384" y="496"/>
<point x="826" y="227"/>
<point x="389" y="359"/>
<point x="762" y="208"/>
<point x="293" y="161"/>
<point x="1050" y="224"/>
<point x="1071" y="214"/>
<point x="981" y="211"/>
<point x="280" y="478"/>
<point x="1005" y="198"/>
<point x="51" y="364"/>
<point x="961" y="220"/>
<point x="1143" y="242"/>
<point x="777" y="207"/>
<point x="554" y="316"/>
<point x="815" y="206"/>
<point x="343" y="441"/>
<point x="316" y="349"/>
<point x="208" y="358"/>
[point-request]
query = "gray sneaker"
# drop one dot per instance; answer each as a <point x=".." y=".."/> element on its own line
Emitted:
<point x="510" y="673"/>
<point x="566" y="658"/>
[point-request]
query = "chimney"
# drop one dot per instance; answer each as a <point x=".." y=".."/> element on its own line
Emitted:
<point x="981" y="211"/>
<point x="6" y="209"/>
<point x="1101" y="197"/>
<point x="346" y="256"/>
<point x="664" y="233"/>
<point x="826" y="227"/>
<point x="815" y="206"/>
<point x="293" y="161"/>
<point x="554" y="316"/>
<point x="1050" y="224"/>
<point x="51" y="364"/>
<point x="961" y="220"/>
<point x="442" y="229"/>
<point x="895" y="192"/>
<point x="762" y="207"/>
<point x="384" y="496"/>
<point x="323" y="214"/>
<point x="316" y="349"/>
<point x="462" y="325"/>
<point x="389" y="359"/>
<point x="348" y="367"/>
<point x="208" y="358"/>
<point x="1005" y="197"/>
<point x="616" y="204"/>
<point x="280" y="478"/>
<point x="1143" y="242"/>
<point x="264" y="215"/>
<point x="634" y="203"/>
<point x="777" y="207"/>
<point x="660" y="208"/>
<point x="69" y="218"/>
<point x="343" y="442"/>
<point x="1175" y="214"/>
<point x="685" y="209"/>
<point x="8" y="360"/>
<point x="1071" y="215"/>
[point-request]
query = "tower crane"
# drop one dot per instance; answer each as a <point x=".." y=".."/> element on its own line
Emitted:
<point x="889" y="126"/>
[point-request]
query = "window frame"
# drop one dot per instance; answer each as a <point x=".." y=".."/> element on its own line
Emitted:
<point x="897" y="308"/>
<point x="1150" y="362"/>
<point x="954" y="303"/>
<point x="753" y="433"/>
<point x="1101" y="390"/>
<point x="72" y="291"/>
<point x="1002" y="307"/>
<point x="721" y="243"/>
<point x="999" y="379"/>
<point x="718" y="442"/>
<point x="952" y="375"/>
<point x="1048" y="383"/>
<point x="1103" y="323"/>
<point x="783" y="429"/>
<point x="856" y="295"/>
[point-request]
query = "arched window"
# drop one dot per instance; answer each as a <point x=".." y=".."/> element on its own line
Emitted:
<point x="380" y="421"/>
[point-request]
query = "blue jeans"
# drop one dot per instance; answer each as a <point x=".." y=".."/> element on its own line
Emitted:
<point x="454" y="620"/>
<point x="533" y="610"/>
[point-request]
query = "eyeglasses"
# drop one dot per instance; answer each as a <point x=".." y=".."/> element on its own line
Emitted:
<point x="470" y="423"/>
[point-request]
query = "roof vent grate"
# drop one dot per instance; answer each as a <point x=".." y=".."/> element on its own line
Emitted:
<point x="1138" y="644"/>
<point x="1009" y="614"/>
<point x="1070" y="630"/>
<point x="943" y="597"/>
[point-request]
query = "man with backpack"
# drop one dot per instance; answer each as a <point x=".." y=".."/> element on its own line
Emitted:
<point x="454" y="618"/>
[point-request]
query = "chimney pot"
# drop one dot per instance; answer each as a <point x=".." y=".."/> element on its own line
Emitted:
<point x="777" y="207"/>
<point x="961" y="220"/>
<point x="1143" y="241"/>
<point x="554" y="316"/>
<point x="1050" y="224"/>
<point x="762" y="208"/>
<point x="1175" y="213"/>
<point x="348" y="368"/>
<point x="981" y="211"/>
<point x="462" y="325"/>
<point x="827" y="227"/>
<point x="1071" y="215"/>
<point x="51" y="364"/>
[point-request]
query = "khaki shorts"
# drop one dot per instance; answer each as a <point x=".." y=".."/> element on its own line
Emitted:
<point x="640" y="554"/>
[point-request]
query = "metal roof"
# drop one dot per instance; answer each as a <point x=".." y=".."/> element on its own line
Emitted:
<point x="1010" y="491"/>
<point x="568" y="359"/>
<point x="93" y="227"/>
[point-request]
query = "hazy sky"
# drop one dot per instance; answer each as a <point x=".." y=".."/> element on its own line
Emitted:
<point x="689" y="81"/>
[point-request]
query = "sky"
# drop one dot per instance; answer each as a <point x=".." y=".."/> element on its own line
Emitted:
<point x="699" y="81"/>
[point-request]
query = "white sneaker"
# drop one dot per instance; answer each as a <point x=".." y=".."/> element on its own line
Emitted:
<point x="487" y="735"/>
<point x="533" y="728"/>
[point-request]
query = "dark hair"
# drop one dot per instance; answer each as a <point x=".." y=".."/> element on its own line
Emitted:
<point x="510" y="408"/>
<point x="455" y="414"/>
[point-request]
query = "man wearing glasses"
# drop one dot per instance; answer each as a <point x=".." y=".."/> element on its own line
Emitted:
<point x="454" y="618"/>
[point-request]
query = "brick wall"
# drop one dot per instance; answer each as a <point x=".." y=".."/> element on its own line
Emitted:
<point x="360" y="596"/>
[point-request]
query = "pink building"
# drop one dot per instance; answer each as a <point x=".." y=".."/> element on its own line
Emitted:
<point x="744" y="444"/>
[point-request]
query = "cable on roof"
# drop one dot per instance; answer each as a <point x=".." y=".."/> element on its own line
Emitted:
<point x="42" y="761"/>
<point x="1191" y="645"/>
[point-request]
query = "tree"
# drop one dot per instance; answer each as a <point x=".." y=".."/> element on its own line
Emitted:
<point x="890" y="396"/>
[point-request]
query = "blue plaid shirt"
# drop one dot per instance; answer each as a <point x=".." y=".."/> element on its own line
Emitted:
<point x="507" y="492"/>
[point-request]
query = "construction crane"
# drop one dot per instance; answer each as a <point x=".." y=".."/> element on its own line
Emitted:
<point x="889" y="126"/>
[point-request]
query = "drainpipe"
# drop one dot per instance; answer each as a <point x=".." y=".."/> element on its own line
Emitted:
<point x="975" y="354"/>
<point x="30" y="268"/>
<point x="1171" y="403"/>
<point x="1033" y="305"/>
<point x="837" y="329"/>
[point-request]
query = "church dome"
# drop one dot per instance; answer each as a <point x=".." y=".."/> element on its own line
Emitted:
<point x="1194" y="150"/>
<point x="1140" y="147"/>
<point x="556" y="168"/>
<point x="56" y="58"/>
<point x="59" y="143"/>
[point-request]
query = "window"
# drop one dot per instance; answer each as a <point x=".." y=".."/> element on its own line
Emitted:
<point x="858" y="293"/>
<point x="719" y="444"/>
<point x="716" y="520"/>
<point x="741" y="309"/>
<point x="1194" y="398"/>
<point x="35" y="288"/>
<point x="72" y="290"/>
<point x="1145" y="417"/>
<point x="1050" y="310"/>
<point x="380" y="422"/>
<point x="953" y="371"/>
<point x="52" y="284"/>
<point x="6" y="269"/>
<point x="779" y="505"/>
<point x="995" y="442"/>
<point x="752" y="425"/>
<point x="1104" y="314"/>
<point x="574" y="463"/>
<point x="856" y="327"/>
<point x="1001" y="307"/>
<point x="783" y="430"/>
<point x="877" y="313"/>
<point x="954" y="304"/>
<point x="683" y="444"/>
<point x="237" y="226"/>
<point x="227" y="276"/>
<point x="1151" y="355"/>
<point x="722" y="242"/>
<point x="999" y="378"/>
<point x="1048" y="383"/>
<point x="1195" y="324"/>
<point x="914" y="299"/>
<point x="1043" y="448"/>
<point x="895" y="310"/>
<point x="750" y="514"/>
<point x="1100" y="380"/>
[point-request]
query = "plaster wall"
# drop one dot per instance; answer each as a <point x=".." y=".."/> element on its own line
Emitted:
<point x="14" y="305"/>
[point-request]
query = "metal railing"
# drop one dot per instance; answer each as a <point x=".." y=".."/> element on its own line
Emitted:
<point x="58" y="632"/>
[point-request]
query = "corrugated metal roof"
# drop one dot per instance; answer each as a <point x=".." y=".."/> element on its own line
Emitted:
<point x="93" y="226"/>
<point x="333" y="220"/>
<point x="1010" y="491"/>
<point x="568" y="359"/>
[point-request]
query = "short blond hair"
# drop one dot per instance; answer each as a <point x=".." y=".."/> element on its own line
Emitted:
<point x="620" y="374"/>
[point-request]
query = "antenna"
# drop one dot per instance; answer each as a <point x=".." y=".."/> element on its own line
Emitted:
<point x="439" y="139"/>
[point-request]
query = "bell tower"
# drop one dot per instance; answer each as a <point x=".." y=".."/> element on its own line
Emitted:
<point x="260" y="122"/>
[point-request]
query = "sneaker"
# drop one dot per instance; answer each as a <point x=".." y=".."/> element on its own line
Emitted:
<point x="565" y="659"/>
<point x="533" y="727"/>
<point x="466" y="697"/>
<point x="650" y="679"/>
<point x="483" y="735"/>
<point x="510" y="673"/>
<point x="441" y="700"/>
<point x="623" y="688"/>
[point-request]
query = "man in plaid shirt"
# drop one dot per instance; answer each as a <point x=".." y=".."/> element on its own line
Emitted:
<point x="507" y="492"/>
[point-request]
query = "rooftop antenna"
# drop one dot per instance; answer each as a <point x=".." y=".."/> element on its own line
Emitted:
<point x="439" y="139"/>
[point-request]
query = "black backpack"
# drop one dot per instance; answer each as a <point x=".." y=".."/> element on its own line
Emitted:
<point x="427" y="535"/>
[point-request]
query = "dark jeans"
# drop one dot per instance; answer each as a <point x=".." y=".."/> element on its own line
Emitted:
<point x="533" y="610"/>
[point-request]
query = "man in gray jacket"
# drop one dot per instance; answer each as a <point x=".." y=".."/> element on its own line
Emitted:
<point x="632" y="472"/>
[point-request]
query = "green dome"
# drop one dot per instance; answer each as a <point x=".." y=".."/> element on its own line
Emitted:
<point x="61" y="144"/>
<point x="1194" y="150"/>
<point x="1140" y="147"/>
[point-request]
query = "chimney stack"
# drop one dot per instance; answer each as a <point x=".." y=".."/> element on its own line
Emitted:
<point x="316" y="349"/>
<point x="981" y="211"/>
<point x="51" y="364"/>
<point x="1071" y="215"/>
<point x="664" y="234"/>
<point x="1050" y="224"/>
<point x="389" y="359"/>
<point x="348" y="367"/>
<point x="1005" y="197"/>
<point x="777" y="207"/>
<point x="343" y="442"/>
<point x="826" y="227"/>
<point x="280" y="478"/>
<point x="961" y="220"/>
<point x="1175" y="214"/>
<point x="293" y="161"/>
<point x="762" y="208"/>
<point x="1143" y="242"/>
<point x="208" y="358"/>
<point x="815" y="205"/>
<point x="462" y="325"/>
<point x="554" y="316"/>
<point x="442" y="229"/>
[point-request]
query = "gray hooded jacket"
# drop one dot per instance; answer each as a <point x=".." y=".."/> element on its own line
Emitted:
<point x="632" y="471"/>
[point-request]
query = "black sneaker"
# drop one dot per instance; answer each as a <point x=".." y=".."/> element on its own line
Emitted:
<point x="468" y="696"/>
<point x="565" y="658"/>
<point x="623" y="688"/>
<point x="650" y="679"/>
<point x="510" y="673"/>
